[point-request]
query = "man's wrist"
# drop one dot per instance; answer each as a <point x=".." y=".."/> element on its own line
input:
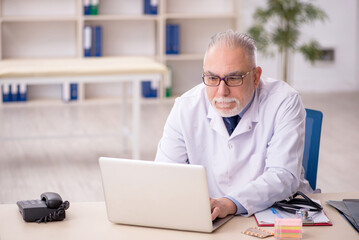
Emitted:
<point x="230" y="205"/>
<point x="239" y="208"/>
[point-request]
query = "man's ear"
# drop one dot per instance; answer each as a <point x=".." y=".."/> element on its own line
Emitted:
<point x="257" y="73"/>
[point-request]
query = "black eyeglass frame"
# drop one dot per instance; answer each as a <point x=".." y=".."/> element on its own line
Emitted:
<point x="225" y="79"/>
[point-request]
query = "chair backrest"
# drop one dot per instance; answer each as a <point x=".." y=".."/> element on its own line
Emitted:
<point x="313" y="128"/>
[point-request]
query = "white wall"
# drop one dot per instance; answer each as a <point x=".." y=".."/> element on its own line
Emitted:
<point x="339" y="32"/>
<point x="357" y="45"/>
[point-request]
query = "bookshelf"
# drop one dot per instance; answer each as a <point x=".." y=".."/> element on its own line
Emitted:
<point x="54" y="29"/>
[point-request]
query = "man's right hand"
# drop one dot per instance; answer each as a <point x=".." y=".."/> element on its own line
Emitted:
<point x="221" y="207"/>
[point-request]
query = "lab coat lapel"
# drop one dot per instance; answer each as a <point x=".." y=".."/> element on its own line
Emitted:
<point x="216" y="122"/>
<point x="249" y="119"/>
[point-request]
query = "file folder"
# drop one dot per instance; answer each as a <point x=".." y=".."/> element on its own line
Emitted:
<point x="353" y="208"/>
<point x="73" y="91"/>
<point x="13" y="90"/>
<point x="150" y="7"/>
<point x="66" y="92"/>
<point x="149" y="89"/>
<point x="94" y="5"/>
<point x="86" y="7"/>
<point x="22" y="96"/>
<point x="97" y="41"/>
<point x="87" y="41"/>
<point x="6" y="92"/>
<point x="342" y="208"/>
<point x="172" y="39"/>
<point x="168" y="82"/>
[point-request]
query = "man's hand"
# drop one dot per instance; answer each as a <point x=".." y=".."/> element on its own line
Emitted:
<point x="221" y="207"/>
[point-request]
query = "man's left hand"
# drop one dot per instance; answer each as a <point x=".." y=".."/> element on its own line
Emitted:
<point x="221" y="207"/>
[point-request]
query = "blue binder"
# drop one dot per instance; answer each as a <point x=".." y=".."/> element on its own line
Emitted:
<point x="168" y="39"/>
<point x="97" y="41"/>
<point x="172" y="39"/>
<point x="175" y="39"/>
<point x="86" y="7"/>
<point x="150" y="7"/>
<point x="22" y="94"/>
<point x="73" y="91"/>
<point x="5" y="93"/>
<point x="147" y="90"/>
<point x="87" y="41"/>
<point x="14" y="89"/>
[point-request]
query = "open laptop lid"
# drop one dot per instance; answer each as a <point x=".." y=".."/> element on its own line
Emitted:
<point x="153" y="194"/>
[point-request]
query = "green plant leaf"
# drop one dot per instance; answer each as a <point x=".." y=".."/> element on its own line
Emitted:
<point x="312" y="13"/>
<point x="279" y="23"/>
<point x="260" y="36"/>
<point x="285" y="38"/>
<point x="311" y="51"/>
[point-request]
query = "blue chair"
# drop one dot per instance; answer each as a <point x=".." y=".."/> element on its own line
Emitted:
<point x="313" y="128"/>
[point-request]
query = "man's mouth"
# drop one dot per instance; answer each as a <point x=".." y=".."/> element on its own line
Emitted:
<point x="224" y="104"/>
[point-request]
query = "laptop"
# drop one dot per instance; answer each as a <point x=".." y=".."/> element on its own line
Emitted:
<point x="161" y="195"/>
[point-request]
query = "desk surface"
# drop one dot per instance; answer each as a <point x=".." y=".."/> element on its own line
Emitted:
<point x="89" y="221"/>
<point x="79" y="66"/>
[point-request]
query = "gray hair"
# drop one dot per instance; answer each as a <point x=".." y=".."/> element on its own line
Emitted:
<point x="232" y="39"/>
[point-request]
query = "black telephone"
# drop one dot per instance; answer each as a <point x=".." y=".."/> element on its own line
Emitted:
<point x="49" y="208"/>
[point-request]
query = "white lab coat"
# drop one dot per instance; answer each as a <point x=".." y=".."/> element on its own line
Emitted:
<point x="260" y="163"/>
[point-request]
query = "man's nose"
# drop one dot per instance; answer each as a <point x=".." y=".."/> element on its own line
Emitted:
<point x="223" y="89"/>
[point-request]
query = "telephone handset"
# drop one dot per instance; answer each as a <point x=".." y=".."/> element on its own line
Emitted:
<point x="49" y="208"/>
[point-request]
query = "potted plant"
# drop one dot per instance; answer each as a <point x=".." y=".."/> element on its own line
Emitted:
<point x="279" y="24"/>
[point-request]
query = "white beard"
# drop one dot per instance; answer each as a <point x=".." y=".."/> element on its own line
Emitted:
<point x="229" y="112"/>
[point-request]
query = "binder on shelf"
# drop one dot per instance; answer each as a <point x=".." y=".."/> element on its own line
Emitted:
<point x="175" y="39"/>
<point x="73" y="91"/>
<point x="94" y="5"/>
<point x="22" y="95"/>
<point x="6" y="93"/>
<point x="87" y="40"/>
<point x="172" y="38"/>
<point x="97" y="41"/>
<point x="66" y="91"/>
<point x="168" y="83"/>
<point x="92" y="41"/>
<point x="150" y="7"/>
<point x="13" y="92"/>
<point x="149" y="89"/>
<point x="86" y="7"/>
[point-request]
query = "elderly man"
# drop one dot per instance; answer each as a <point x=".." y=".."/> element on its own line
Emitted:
<point x="247" y="131"/>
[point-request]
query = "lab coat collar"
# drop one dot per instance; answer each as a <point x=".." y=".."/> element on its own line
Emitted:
<point x="247" y="122"/>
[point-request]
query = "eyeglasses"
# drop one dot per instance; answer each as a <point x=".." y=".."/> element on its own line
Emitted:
<point x="230" y="81"/>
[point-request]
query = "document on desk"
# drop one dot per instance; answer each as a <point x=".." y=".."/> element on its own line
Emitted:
<point x="349" y="208"/>
<point x="267" y="217"/>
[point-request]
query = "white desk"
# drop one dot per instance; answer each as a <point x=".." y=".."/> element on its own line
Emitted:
<point x="89" y="221"/>
<point x="87" y="70"/>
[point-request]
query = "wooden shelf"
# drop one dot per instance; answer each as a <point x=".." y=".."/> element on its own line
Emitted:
<point x="125" y="31"/>
<point x="120" y="17"/>
<point x="184" y="57"/>
<point x="199" y="16"/>
<point x="39" y="19"/>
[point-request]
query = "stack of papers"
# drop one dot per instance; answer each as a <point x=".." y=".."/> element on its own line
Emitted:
<point x="266" y="218"/>
<point x="350" y="209"/>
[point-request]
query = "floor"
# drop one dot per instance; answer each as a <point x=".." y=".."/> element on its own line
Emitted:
<point x="56" y="146"/>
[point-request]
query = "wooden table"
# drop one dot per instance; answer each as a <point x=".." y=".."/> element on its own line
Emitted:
<point x="89" y="221"/>
<point x="88" y="70"/>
